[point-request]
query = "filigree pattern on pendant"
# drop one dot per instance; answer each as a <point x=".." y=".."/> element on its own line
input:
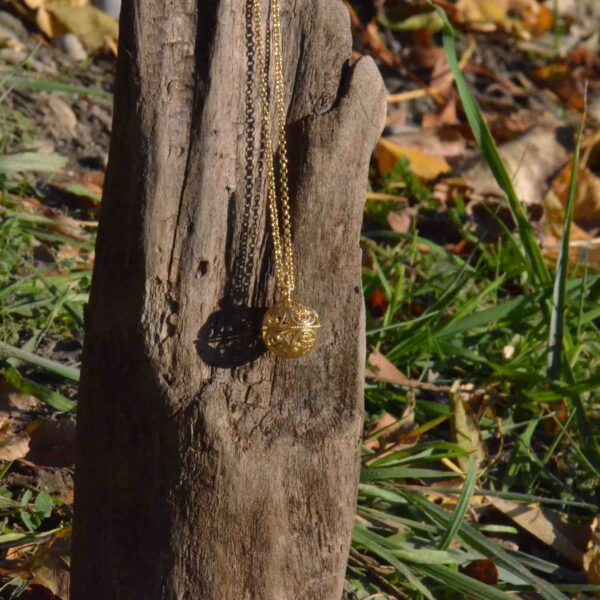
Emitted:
<point x="289" y="329"/>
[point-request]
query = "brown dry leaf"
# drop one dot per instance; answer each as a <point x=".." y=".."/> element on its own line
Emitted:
<point x="370" y="37"/>
<point x="483" y="570"/>
<point x="442" y="79"/>
<point x="546" y="525"/>
<point x="441" y="141"/>
<point x="81" y="192"/>
<point x="13" y="403"/>
<point x="542" y="22"/>
<point x="52" y="443"/>
<point x="553" y="227"/>
<point x="50" y="563"/>
<point x="466" y="432"/>
<point x="47" y="566"/>
<point x="448" y="116"/>
<point x="383" y="422"/>
<point x="62" y="223"/>
<point x="381" y="369"/>
<point x="508" y="125"/>
<point x="530" y="160"/>
<point x="400" y="222"/>
<point x="387" y="154"/>
<point x="13" y="445"/>
<point x="587" y="201"/>
<point x="390" y="434"/>
<point x="568" y="82"/>
<point x="583" y="247"/>
<point x="591" y="558"/>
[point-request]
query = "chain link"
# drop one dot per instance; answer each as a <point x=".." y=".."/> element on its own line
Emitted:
<point x="280" y="216"/>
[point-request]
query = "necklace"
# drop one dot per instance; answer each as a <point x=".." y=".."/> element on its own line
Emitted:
<point x="289" y="328"/>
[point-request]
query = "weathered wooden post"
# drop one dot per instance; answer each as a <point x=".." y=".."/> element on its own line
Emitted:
<point x="207" y="468"/>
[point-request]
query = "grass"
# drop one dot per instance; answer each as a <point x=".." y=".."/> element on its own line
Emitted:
<point x="500" y="353"/>
<point x="525" y="340"/>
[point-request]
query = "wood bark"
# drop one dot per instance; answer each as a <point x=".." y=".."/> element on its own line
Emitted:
<point x="207" y="468"/>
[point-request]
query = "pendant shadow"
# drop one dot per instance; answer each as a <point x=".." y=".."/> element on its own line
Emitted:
<point x="231" y="337"/>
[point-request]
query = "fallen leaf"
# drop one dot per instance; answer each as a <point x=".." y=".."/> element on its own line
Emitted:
<point x="56" y="18"/>
<point x="591" y="557"/>
<point x="587" y="200"/>
<point x="13" y="403"/>
<point x="381" y="369"/>
<point x="63" y="224"/>
<point x="542" y="22"/>
<point x="465" y="431"/>
<point x="400" y="222"/>
<point x="387" y="154"/>
<point x="91" y="25"/>
<point x="371" y="37"/>
<point x="483" y="15"/>
<point x="483" y="570"/>
<point x="13" y="445"/>
<point x="426" y="20"/>
<point x="52" y="443"/>
<point x="531" y="161"/>
<point x="488" y="15"/>
<point x="383" y="422"/>
<point x="390" y="434"/>
<point x="441" y="141"/>
<point x="546" y="525"/>
<point x="50" y="565"/>
<point x="448" y="116"/>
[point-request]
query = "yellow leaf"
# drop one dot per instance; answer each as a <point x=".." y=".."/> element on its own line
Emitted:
<point x="476" y="12"/>
<point x="387" y="155"/>
<point x="88" y="23"/>
<point x="33" y="4"/>
<point x="487" y="15"/>
<point x="591" y="558"/>
<point x="47" y="24"/>
<point x="466" y="432"/>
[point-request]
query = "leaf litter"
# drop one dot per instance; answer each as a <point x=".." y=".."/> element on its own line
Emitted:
<point x="452" y="315"/>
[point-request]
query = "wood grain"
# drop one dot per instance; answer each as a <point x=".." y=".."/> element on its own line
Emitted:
<point x="207" y="468"/>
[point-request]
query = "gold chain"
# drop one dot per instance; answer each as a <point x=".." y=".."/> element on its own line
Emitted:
<point x="281" y="224"/>
<point x="289" y="328"/>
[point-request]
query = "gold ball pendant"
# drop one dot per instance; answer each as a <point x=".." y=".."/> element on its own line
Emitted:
<point x="289" y="329"/>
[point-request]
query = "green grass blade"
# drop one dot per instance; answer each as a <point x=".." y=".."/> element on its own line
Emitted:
<point x="484" y="139"/>
<point x="54" y="399"/>
<point x="462" y="506"/>
<point x="70" y="373"/>
<point x="471" y="588"/>
<point x="368" y="475"/>
<point x="364" y="537"/>
<point x="32" y="161"/>
<point x="557" y="317"/>
<point x="488" y="548"/>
